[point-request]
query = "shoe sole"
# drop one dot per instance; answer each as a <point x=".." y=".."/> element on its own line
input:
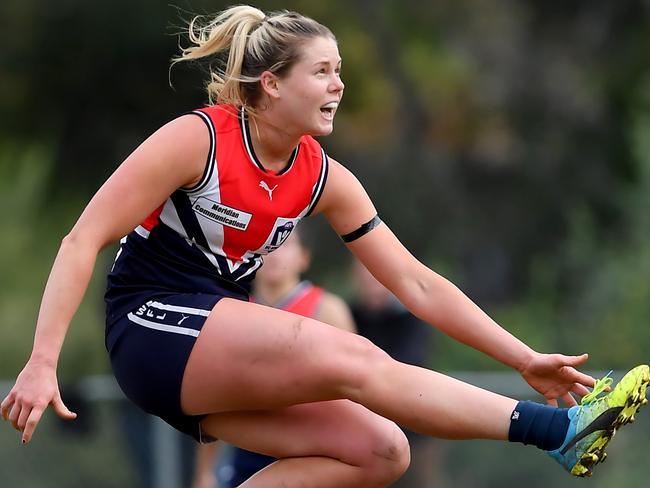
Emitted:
<point x="596" y="452"/>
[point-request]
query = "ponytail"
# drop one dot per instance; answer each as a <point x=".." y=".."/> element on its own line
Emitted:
<point x="254" y="43"/>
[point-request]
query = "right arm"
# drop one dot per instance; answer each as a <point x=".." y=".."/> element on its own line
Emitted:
<point x="172" y="157"/>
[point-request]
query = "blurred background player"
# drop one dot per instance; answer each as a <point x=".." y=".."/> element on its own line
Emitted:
<point x="278" y="284"/>
<point x="380" y="317"/>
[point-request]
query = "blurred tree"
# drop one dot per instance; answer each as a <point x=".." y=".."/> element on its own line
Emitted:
<point x="506" y="143"/>
<point x="32" y="226"/>
<point x="493" y="137"/>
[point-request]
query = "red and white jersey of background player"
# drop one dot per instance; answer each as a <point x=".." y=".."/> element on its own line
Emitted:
<point x="304" y="299"/>
<point x="240" y="211"/>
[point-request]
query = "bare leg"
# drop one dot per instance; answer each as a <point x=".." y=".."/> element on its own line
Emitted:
<point x="250" y="357"/>
<point x="437" y="405"/>
<point x="326" y="444"/>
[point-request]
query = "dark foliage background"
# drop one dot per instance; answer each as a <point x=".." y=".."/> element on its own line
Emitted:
<point x="506" y="143"/>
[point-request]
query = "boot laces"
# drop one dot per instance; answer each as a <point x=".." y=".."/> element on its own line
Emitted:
<point x="600" y="386"/>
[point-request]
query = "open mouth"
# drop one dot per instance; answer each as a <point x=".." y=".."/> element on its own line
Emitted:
<point x="328" y="110"/>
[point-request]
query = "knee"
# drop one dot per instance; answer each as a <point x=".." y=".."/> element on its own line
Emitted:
<point x="362" y="363"/>
<point x="390" y="458"/>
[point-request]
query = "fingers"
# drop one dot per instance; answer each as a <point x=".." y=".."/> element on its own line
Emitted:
<point x="20" y="414"/>
<point x="24" y="416"/>
<point x="575" y="376"/>
<point x="12" y="418"/>
<point x="569" y="400"/>
<point x="580" y="390"/>
<point x="583" y="379"/>
<point x="61" y="410"/>
<point x="22" y="419"/>
<point x="5" y="406"/>
<point x="576" y="360"/>
<point x="567" y="362"/>
<point x="30" y="424"/>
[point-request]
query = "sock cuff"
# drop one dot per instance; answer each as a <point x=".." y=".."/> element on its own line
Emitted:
<point x="541" y="425"/>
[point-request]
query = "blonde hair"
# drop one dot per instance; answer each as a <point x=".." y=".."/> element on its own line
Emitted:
<point x="253" y="42"/>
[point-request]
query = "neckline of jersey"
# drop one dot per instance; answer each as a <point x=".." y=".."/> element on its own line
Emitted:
<point x="248" y="144"/>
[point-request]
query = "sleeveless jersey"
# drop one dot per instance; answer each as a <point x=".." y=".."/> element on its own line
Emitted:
<point x="214" y="234"/>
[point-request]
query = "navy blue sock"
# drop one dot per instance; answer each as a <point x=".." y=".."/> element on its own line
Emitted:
<point x="541" y="425"/>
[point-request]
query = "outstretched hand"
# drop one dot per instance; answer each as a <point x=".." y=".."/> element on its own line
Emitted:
<point x="36" y="387"/>
<point x="555" y="377"/>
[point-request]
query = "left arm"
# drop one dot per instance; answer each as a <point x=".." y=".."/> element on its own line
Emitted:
<point x="433" y="298"/>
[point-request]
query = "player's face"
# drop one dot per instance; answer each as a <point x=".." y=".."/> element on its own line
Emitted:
<point x="285" y="264"/>
<point x="310" y="93"/>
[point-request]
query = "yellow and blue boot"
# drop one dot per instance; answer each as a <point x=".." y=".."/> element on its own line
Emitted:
<point x="595" y="421"/>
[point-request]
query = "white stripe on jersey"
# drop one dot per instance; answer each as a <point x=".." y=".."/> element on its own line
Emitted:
<point x="119" y="252"/>
<point x="166" y="328"/>
<point x="255" y="267"/>
<point x="213" y="231"/>
<point x="142" y="232"/>
<point x="176" y="308"/>
<point x="210" y="164"/>
<point x="318" y="186"/>
<point x="247" y="143"/>
<point x="170" y="218"/>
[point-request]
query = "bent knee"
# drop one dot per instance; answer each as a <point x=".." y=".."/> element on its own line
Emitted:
<point x="361" y="360"/>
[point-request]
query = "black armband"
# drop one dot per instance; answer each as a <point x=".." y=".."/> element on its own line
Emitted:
<point x="363" y="230"/>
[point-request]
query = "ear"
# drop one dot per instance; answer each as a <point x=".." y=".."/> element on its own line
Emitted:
<point x="269" y="84"/>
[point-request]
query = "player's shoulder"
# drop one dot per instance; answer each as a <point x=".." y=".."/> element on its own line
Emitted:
<point x="182" y="138"/>
<point x="333" y="300"/>
<point x="335" y="311"/>
<point x="221" y="118"/>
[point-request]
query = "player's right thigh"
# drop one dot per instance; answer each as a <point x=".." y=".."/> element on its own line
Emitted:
<point x="338" y="429"/>
<point x="251" y="357"/>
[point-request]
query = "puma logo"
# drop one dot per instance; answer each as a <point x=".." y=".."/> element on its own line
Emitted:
<point x="264" y="185"/>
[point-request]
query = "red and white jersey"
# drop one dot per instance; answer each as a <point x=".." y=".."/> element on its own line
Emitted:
<point x="240" y="211"/>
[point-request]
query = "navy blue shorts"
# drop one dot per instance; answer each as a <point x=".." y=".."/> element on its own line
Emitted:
<point x="246" y="463"/>
<point x="149" y="348"/>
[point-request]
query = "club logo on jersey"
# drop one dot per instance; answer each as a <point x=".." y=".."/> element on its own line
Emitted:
<point x="281" y="230"/>
<point x="264" y="185"/>
<point x="222" y="214"/>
